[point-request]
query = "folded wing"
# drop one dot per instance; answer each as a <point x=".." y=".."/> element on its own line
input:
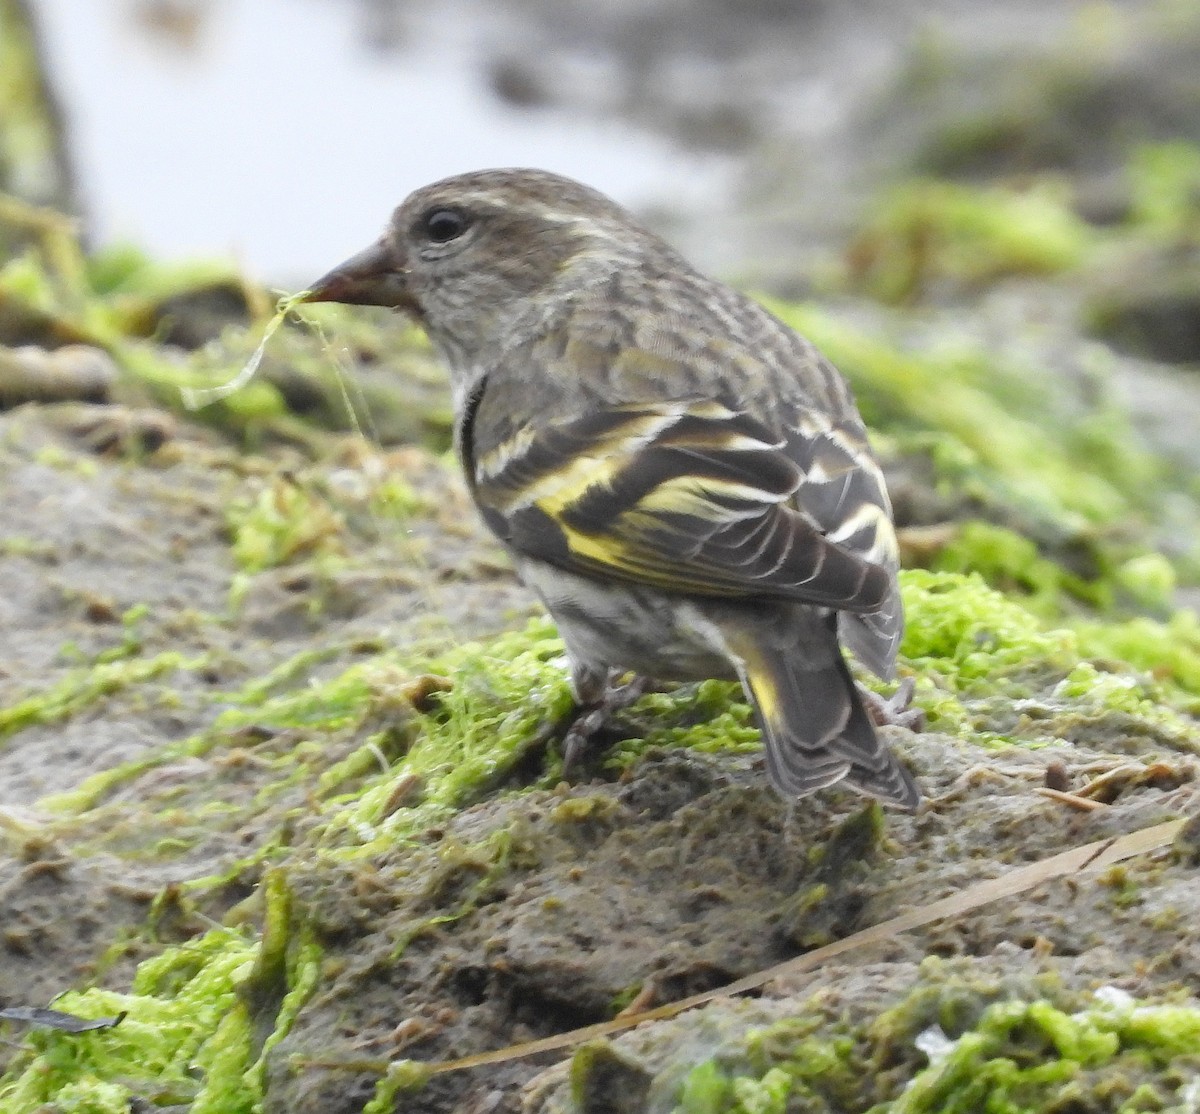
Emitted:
<point x="691" y="496"/>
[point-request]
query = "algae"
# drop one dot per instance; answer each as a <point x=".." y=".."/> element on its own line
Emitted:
<point x="119" y="300"/>
<point x="181" y="1014"/>
<point x="943" y="232"/>
<point x="1164" y="187"/>
<point x="363" y="758"/>
<point x="469" y="735"/>
<point x="188" y="1034"/>
<point x="83" y="688"/>
<point x="1102" y="1051"/>
<point x="1035" y="1056"/>
<point x="464" y="739"/>
<point x="195" y="398"/>
<point x="967" y="396"/>
<point x="468" y="742"/>
<point x="285" y="521"/>
<point x="932" y="236"/>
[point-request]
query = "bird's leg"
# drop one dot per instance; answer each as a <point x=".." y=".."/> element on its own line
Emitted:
<point x="896" y="710"/>
<point x="598" y="698"/>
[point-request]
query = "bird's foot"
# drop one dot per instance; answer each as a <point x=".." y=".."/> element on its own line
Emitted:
<point x="896" y="710"/>
<point x="598" y="703"/>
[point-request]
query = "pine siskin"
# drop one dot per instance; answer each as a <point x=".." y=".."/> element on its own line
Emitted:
<point x="683" y="480"/>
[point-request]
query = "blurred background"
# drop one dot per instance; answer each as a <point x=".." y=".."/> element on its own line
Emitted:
<point x="1009" y="186"/>
<point x="282" y="132"/>
<point x="1022" y="174"/>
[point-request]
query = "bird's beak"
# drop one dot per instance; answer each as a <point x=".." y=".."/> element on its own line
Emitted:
<point x="374" y="277"/>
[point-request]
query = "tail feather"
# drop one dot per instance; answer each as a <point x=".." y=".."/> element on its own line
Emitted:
<point x="874" y="637"/>
<point x="815" y="729"/>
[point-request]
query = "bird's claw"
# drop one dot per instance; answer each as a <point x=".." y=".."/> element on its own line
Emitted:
<point x="896" y="710"/>
<point x="592" y="716"/>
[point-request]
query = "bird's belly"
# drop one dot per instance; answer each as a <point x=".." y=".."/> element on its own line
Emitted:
<point x="630" y="628"/>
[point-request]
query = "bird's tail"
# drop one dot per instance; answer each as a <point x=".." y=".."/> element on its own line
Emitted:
<point x="815" y="729"/>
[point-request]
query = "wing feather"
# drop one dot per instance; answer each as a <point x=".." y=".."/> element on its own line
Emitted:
<point x="691" y="496"/>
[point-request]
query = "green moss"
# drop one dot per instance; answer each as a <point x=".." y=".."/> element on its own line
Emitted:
<point x="967" y="632"/>
<point x="364" y="757"/>
<point x="969" y="646"/>
<point x="283" y="522"/>
<point x="767" y="1095"/>
<point x="1014" y="564"/>
<point x="107" y="297"/>
<point x="268" y="723"/>
<point x="605" y="1082"/>
<point x="1170" y="651"/>
<point x="121" y="300"/>
<point x="503" y="694"/>
<point x="118" y="299"/>
<point x="199" y="1022"/>
<point x="349" y="740"/>
<point x="402" y="1077"/>
<point x="1030" y="1055"/>
<point x="455" y="740"/>
<point x="1164" y="180"/>
<point x="395" y="498"/>
<point x="704" y="1091"/>
<point x="1050" y="459"/>
<point x="1122" y="887"/>
<point x="710" y="717"/>
<point x="979" y="655"/>
<point x="82" y="688"/>
<point x="810" y="1062"/>
<point x="929" y="232"/>
<point x="1143" y="288"/>
<point x="127" y="278"/>
<point x="1003" y="1052"/>
<point x="350" y="735"/>
<point x="181" y="1013"/>
<point x="1011" y="562"/>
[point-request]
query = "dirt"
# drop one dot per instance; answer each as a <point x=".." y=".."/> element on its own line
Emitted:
<point x="527" y="913"/>
<point x="109" y="562"/>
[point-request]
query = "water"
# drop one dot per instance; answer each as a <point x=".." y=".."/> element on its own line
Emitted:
<point x="271" y="131"/>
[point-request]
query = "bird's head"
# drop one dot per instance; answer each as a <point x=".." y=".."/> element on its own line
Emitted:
<point x="486" y="258"/>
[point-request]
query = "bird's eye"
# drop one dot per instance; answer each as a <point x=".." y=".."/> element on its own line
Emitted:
<point x="443" y="225"/>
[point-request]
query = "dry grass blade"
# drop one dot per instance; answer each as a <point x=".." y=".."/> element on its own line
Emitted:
<point x="1089" y="857"/>
<point x="1082" y="804"/>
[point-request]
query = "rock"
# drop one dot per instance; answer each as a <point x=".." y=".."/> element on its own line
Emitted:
<point x="73" y="372"/>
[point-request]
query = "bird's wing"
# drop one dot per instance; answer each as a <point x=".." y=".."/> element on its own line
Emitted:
<point x="843" y="489"/>
<point x="691" y="496"/>
<point x="845" y="492"/>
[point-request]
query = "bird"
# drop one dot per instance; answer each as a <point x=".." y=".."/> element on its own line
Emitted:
<point x="683" y="479"/>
